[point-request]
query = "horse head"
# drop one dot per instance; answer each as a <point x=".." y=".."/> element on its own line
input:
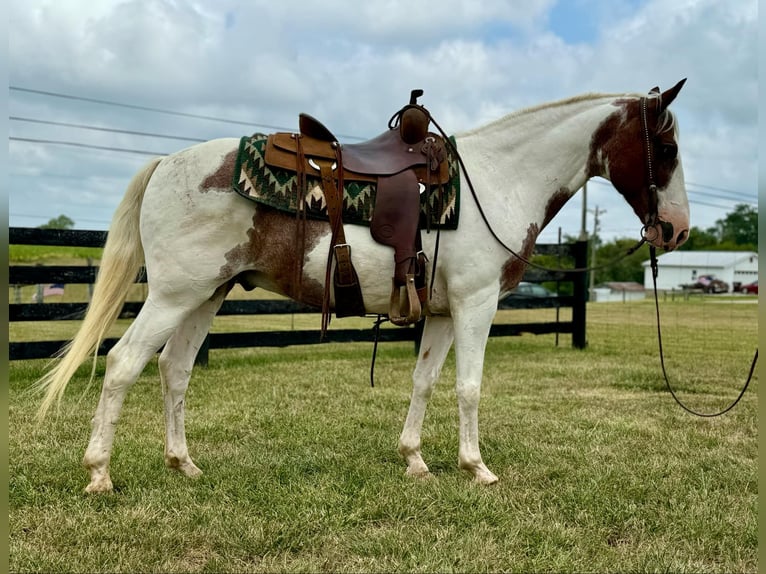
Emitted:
<point x="636" y="148"/>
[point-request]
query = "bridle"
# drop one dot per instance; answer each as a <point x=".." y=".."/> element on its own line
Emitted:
<point x="649" y="228"/>
<point x="651" y="223"/>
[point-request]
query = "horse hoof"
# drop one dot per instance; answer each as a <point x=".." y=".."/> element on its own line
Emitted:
<point x="419" y="472"/>
<point x="99" y="485"/>
<point x="485" y="478"/>
<point x="185" y="467"/>
<point x="189" y="469"/>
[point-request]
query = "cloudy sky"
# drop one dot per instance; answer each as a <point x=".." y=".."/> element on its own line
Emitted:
<point x="233" y="67"/>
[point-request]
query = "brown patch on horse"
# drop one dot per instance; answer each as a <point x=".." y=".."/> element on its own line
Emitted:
<point x="513" y="269"/>
<point x="555" y="203"/>
<point x="269" y="256"/>
<point x="222" y="177"/>
<point x="617" y="151"/>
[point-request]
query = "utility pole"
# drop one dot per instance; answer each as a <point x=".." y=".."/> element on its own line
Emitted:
<point x="594" y="240"/>
<point x="583" y="229"/>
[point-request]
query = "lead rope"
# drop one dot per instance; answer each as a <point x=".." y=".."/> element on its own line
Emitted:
<point x="653" y="255"/>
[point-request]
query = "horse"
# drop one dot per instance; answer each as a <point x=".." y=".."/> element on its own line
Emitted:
<point x="196" y="239"/>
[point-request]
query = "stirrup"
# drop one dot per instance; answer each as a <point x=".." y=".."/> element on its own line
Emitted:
<point x="412" y="309"/>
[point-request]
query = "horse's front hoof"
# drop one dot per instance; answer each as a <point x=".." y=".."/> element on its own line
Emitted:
<point x="189" y="469"/>
<point x="416" y="467"/>
<point x="420" y="473"/>
<point x="485" y="477"/>
<point x="100" y="485"/>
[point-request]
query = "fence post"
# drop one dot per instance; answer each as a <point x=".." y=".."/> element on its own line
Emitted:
<point x="580" y="295"/>
<point x="90" y="285"/>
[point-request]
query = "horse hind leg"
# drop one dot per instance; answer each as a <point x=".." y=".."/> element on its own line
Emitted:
<point x="175" y="363"/>
<point x="434" y="346"/>
<point x="124" y="363"/>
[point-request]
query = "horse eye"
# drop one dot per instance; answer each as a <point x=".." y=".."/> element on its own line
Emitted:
<point x="668" y="151"/>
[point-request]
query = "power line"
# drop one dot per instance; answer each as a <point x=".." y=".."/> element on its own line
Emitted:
<point x="156" y="110"/>
<point x="721" y="189"/>
<point x="88" y="146"/>
<point x="746" y="198"/>
<point x="157" y="154"/>
<point x="103" y="129"/>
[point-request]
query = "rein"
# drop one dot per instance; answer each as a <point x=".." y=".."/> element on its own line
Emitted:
<point x="519" y="256"/>
<point x="654" y="266"/>
<point x="651" y="220"/>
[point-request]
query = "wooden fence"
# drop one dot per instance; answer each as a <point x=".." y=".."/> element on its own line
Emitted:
<point x="44" y="275"/>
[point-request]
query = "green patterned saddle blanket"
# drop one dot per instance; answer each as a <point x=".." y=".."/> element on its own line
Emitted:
<point x="278" y="188"/>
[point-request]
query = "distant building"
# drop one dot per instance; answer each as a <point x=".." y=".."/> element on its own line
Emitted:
<point x="684" y="267"/>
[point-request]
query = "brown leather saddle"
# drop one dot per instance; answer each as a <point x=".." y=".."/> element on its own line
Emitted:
<point x="402" y="161"/>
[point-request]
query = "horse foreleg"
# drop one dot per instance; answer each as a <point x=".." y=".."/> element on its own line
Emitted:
<point x="176" y="363"/>
<point x="124" y="363"/>
<point x="472" y="325"/>
<point x="434" y="346"/>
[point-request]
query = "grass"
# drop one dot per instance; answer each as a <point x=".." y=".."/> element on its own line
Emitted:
<point x="599" y="469"/>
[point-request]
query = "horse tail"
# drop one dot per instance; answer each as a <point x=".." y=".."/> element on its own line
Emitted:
<point x="121" y="261"/>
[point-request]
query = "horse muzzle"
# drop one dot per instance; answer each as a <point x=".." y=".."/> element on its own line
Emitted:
<point x="665" y="235"/>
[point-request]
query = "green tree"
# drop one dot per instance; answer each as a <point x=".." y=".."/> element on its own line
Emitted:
<point x="627" y="268"/>
<point x="740" y="227"/>
<point x="60" y="222"/>
<point x="701" y="239"/>
<point x="738" y="231"/>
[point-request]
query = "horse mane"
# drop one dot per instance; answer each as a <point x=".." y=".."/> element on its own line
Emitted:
<point x="666" y="120"/>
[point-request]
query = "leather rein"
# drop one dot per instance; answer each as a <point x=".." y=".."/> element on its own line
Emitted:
<point x="647" y="229"/>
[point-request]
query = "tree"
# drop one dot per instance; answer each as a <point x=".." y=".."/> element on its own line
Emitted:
<point x="740" y="227"/>
<point x="60" y="222"/>
<point x="625" y="268"/>
<point x="738" y="231"/>
<point x="701" y="240"/>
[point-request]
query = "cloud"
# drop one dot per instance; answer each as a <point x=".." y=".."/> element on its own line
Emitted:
<point x="353" y="64"/>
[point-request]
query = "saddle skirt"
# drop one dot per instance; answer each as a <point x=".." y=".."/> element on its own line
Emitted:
<point x="277" y="187"/>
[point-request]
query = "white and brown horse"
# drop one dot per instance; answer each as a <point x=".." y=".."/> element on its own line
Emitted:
<point x="197" y="238"/>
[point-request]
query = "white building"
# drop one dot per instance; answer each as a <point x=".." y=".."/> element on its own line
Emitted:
<point x="683" y="267"/>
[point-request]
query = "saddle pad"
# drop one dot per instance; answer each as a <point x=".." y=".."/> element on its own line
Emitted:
<point x="278" y="188"/>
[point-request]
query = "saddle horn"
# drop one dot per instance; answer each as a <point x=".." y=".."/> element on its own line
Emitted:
<point x="412" y="120"/>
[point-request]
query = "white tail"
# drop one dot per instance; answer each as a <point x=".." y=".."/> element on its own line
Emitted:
<point x="122" y="259"/>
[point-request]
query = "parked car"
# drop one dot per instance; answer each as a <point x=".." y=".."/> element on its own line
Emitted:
<point x="708" y="284"/>
<point x="528" y="295"/>
<point x="750" y="288"/>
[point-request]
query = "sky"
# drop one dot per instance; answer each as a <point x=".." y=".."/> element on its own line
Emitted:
<point x="123" y="64"/>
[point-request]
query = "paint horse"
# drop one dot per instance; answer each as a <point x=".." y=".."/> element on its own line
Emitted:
<point x="197" y="239"/>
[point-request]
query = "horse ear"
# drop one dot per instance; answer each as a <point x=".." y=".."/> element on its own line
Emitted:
<point x="655" y="90"/>
<point x="669" y="95"/>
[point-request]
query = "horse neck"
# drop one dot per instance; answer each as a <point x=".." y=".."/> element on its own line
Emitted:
<point x="530" y="157"/>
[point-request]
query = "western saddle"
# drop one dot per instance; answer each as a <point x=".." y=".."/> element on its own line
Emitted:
<point x="402" y="162"/>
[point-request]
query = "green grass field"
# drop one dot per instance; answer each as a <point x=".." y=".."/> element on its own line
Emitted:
<point x="599" y="470"/>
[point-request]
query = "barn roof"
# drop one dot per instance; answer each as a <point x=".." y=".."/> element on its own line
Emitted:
<point x="702" y="258"/>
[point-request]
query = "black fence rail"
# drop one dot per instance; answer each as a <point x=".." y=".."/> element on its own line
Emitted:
<point x="41" y="311"/>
